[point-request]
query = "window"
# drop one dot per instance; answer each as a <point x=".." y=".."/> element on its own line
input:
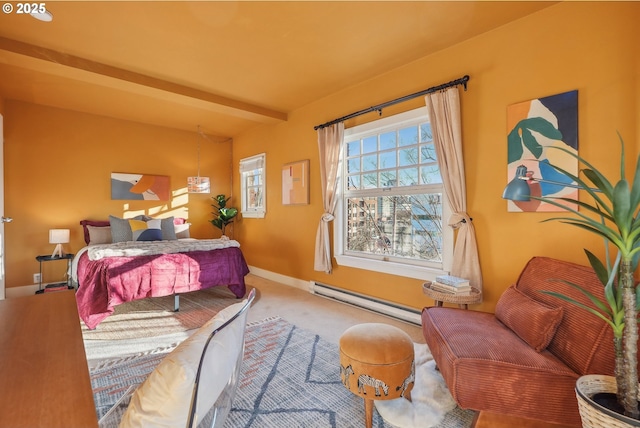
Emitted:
<point x="252" y="181"/>
<point x="390" y="212"/>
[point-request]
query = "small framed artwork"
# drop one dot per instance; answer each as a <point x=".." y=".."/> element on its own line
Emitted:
<point x="295" y="183"/>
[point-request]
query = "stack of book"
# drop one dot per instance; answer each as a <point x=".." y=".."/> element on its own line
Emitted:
<point x="451" y="284"/>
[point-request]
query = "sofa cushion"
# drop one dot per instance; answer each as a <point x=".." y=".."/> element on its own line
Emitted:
<point x="488" y="368"/>
<point x="534" y="322"/>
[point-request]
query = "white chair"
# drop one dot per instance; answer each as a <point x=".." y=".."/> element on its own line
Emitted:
<point x="195" y="384"/>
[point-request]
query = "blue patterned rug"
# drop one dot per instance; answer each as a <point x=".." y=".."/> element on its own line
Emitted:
<point x="290" y="378"/>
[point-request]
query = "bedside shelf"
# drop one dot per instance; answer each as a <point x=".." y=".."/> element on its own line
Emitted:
<point x="56" y="285"/>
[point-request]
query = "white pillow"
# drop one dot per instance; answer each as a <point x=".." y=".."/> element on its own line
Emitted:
<point x="182" y="230"/>
<point x="164" y="398"/>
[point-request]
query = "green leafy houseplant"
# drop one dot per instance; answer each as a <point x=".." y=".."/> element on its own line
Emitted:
<point x="223" y="215"/>
<point x="612" y="215"/>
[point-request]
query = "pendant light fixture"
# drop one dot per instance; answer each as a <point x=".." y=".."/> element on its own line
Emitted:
<point x="199" y="184"/>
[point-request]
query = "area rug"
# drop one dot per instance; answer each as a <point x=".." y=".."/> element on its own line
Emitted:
<point x="155" y="316"/>
<point x="290" y="378"/>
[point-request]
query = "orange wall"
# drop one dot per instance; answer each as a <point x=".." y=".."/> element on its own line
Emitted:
<point x="57" y="163"/>
<point x="57" y="167"/>
<point x="588" y="46"/>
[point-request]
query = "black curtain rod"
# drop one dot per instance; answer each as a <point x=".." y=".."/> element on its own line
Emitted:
<point x="462" y="81"/>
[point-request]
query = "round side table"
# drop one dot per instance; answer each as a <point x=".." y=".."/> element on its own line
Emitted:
<point x="463" y="300"/>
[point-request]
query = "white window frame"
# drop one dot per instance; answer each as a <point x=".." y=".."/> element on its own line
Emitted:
<point x="249" y="166"/>
<point x="380" y="263"/>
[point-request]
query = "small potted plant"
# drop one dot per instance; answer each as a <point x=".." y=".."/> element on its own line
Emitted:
<point x="223" y="215"/>
<point x="613" y="215"/>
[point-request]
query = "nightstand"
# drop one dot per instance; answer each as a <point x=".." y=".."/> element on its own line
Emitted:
<point x="57" y="285"/>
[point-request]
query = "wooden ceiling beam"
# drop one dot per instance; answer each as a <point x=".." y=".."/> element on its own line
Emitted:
<point x="67" y="60"/>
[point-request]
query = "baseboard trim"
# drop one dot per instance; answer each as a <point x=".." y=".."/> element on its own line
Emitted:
<point x="283" y="279"/>
<point x="371" y="304"/>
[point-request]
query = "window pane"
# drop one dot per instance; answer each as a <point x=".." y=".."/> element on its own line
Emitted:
<point x="409" y="156"/>
<point x="254" y="178"/>
<point x="430" y="175"/>
<point x="254" y="197"/>
<point x="425" y="133"/>
<point x="406" y="226"/>
<point x="369" y="181"/>
<point x="370" y="162"/>
<point x="428" y="153"/>
<point x="408" y="176"/>
<point x="388" y="160"/>
<point x="408" y="136"/>
<point x="388" y="140"/>
<point x="353" y="165"/>
<point x="370" y="144"/>
<point x="388" y="179"/>
<point x="353" y="182"/>
<point x="353" y="148"/>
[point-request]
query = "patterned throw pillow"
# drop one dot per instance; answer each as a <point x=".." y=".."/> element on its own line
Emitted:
<point x="120" y="229"/>
<point x="150" y="230"/>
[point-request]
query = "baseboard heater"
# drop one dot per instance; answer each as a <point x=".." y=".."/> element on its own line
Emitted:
<point x="362" y="301"/>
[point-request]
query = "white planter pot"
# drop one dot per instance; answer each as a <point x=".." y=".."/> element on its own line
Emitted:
<point x="594" y="415"/>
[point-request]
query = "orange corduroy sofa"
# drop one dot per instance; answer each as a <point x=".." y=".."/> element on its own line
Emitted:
<point x="524" y="360"/>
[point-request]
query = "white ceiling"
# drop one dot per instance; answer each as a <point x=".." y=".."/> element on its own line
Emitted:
<point x="227" y="65"/>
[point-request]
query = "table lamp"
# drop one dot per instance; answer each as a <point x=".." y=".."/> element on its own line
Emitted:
<point x="58" y="237"/>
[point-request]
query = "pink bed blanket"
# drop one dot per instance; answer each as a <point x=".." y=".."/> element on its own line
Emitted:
<point x="108" y="282"/>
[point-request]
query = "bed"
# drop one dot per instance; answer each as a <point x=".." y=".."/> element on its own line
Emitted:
<point x="109" y="273"/>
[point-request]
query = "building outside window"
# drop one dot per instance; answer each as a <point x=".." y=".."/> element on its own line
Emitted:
<point x="392" y="204"/>
<point x="252" y="179"/>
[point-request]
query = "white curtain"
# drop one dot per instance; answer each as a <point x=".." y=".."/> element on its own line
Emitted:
<point x="444" y="114"/>
<point x="329" y="146"/>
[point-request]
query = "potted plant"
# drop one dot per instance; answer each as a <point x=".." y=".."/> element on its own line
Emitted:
<point x="223" y="215"/>
<point x="613" y="215"/>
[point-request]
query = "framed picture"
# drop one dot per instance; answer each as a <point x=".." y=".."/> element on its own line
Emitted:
<point x="295" y="183"/>
<point x="536" y="128"/>
<point x="139" y="187"/>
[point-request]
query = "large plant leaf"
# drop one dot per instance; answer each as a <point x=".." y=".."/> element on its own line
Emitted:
<point x="635" y="187"/>
<point x="622" y="210"/>
<point x="226" y="214"/>
<point x="607" y="276"/>
<point x="609" y="317"/>
<point x="597" y="179"/>
<point x="601" y="271"/>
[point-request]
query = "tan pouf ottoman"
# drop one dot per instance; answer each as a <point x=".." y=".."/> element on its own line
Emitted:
<point x="376" y="363"/>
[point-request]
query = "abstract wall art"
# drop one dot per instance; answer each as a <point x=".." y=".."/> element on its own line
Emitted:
<point x="295" y="183"/>
<point x="535" y="127"/>
<point x="140" y="187"/>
